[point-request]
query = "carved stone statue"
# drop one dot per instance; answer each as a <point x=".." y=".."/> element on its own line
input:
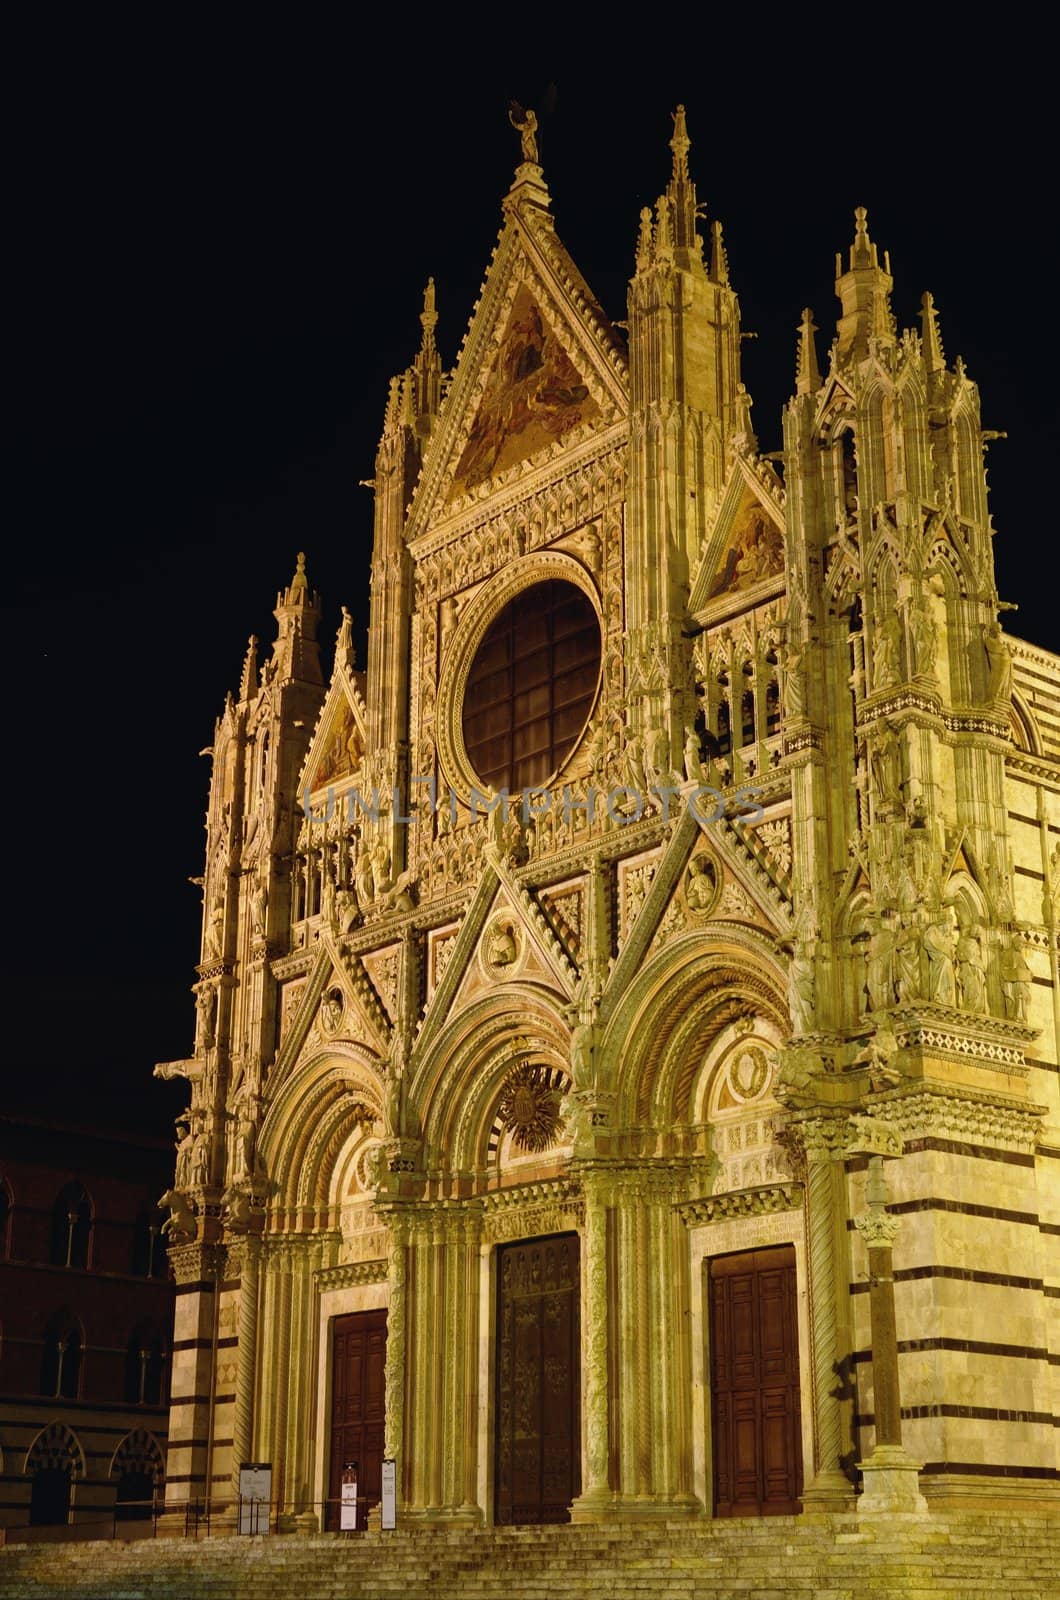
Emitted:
<point x="200" y="1161"/>
<point x="999" y="662"/>
<point x="802" y="988"/>
<point x="215" y="926"/>
<point x="925" y="640"/>
<point x="794" y="688"/>
<point x="206" y="1009"/>
<point x="880" y="971"/>
<point x="259" y="908"/>
<point x="1015" y="981"/>
<point x="907" y="978"/>
<point x="380" y="860"/>
<point x="185" y="1147"/>
<point x="886" y="654"/>
<point x="701" y="884"/>
<point x="525" y="121"/>
<point x="180" y="1223"/>
<point x="502" y="948"/>
<point x="693" y="757"/>
<point x="365" y="887"/>
<point x="971" y="973"/>
<point x="884" y="755"/>
<point x="939" y="946"/>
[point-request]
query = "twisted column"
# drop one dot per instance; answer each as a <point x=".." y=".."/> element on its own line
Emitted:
<point x="243" y="1415"/>
<point x="396" y="1344"/>
<point x="821" y="1140"/>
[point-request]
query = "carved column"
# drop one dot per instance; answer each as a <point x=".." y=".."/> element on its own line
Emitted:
<point x="826" y="1211"/>
<point x="890" y="1477"/>
<point x="247" y="1255"/>
<point x="596" y="1495"/>
<point x="396" y="1346"/>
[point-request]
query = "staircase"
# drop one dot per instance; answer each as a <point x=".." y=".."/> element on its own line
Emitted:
<point x="974" y="1556"/>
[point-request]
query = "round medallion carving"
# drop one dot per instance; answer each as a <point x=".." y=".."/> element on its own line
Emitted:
<point x="702" y="884"/>
<point x="502" y="946"/>
<point x="748" y="1073"/>
<point x="529" y="1108"/>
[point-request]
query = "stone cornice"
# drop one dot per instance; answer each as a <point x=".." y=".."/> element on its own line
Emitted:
<point x="350" y="1275"/>
<point x="741" y="1203"/>
<point x="920" y="1110"/>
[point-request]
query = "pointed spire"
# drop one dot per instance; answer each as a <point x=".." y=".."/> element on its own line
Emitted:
<point x="428" y="318"/>
<point x="681" y="194"/>
<point x="248" y="683"/>
<point x="807" y="372"/>
<point x="295" y="653"/>
<point x="934" y="356"/>
<point x="680" y="144"/>
<point x="719" y="261"/>
<point x="864" y="291"/>
<point x="345" y="655"/>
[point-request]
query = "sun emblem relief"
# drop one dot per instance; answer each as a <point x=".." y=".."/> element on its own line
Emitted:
<point x="529" y="1108"/>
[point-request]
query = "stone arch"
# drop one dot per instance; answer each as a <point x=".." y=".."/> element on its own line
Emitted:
<point x="1025" y="732"/>
<point x="457" y="1084"/>
<point x="312" y="1116"/>
<point x="139" y="1452"/>
<point x="56" y="1447"/>
<point x="678" y="1003"/>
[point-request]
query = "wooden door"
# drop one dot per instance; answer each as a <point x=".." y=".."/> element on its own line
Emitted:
<point x="754" y="1364"/>
<point x="538" y="1454"/>
<point x="358" y="1359"/>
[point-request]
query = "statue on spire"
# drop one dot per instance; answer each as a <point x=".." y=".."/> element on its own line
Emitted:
<point x="524" y="120"/>
<point x="680" y="144"/>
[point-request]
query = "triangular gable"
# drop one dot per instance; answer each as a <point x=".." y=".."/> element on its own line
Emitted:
<point x="533" y="396"/>
<point x="318" y="1021"/>
<point x="746" y="549"/>
<point x="540" y="368"/>
<point x="339" y="739"/>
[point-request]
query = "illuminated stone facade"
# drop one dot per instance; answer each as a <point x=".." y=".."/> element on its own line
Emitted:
<point x="671" y="1026"/>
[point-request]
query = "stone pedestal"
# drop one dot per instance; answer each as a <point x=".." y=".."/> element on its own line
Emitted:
<point x="891" y="1484"/>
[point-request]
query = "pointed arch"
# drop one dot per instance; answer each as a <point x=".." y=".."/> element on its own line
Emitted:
<point x="62" y="1356"/>
<point x="140" y="1451"/>
<point x="56" y="1445"/>
<point x="1025" y="733"/>
<point x="677" y="1004"/>
<point x="912" y="401"/>
<point x="459" y="1081"/>
<point x="317" y="1107"/>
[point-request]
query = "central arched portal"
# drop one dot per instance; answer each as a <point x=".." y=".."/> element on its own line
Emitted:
<point x="538" y="1426"/>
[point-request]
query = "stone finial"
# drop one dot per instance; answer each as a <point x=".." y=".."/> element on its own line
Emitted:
<point x="680" y="144"/>
<point x="429" y="315"/>
<point x="719" y="261"/>
<point x="645" y="240"/>
<point x="248" y="683"/>
<point x="934" y="355"/>
<point x="807" y="372"/>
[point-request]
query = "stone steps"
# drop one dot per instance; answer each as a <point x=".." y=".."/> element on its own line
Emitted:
<point x="968" y="1557"/>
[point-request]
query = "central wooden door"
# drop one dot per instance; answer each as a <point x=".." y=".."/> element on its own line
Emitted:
<point x="358" y="1393"/>
<point x="538" y="1455"/>
<point x="754" y="1363"/>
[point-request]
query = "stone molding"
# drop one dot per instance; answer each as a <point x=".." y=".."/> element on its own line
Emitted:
<point x="350" y="1275"/>
<point x="931" y="1109"/>
<point x="741" y="1203"/>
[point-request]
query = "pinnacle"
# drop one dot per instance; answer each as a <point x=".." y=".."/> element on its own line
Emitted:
<point x="680" y="144"/>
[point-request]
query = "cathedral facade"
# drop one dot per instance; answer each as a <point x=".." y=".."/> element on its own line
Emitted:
<point x="658" y="939"/>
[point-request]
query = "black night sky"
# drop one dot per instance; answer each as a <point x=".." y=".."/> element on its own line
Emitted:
<point x="221" y="230"/>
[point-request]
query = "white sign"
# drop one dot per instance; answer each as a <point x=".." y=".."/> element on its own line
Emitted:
<point x="388" y="1509"/>
<point x="255" y="1493"/>
<point x="348" y="1506"/>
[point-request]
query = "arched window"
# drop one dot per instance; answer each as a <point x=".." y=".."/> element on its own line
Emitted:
<point x="60" y="1375"/>
<point x="850" y="470"/>
<point x="72" y="1227"/>
<point x="6" y="1204"/>
<point x="772" y="707"/>
<point x="140" y="1472"/>
<point x="747" y="717"/>
<point x="54" y="1461"/>
<point x="49" y="1501"/>
<point x="724" y="730"/>
<point x="145" y="1357"/>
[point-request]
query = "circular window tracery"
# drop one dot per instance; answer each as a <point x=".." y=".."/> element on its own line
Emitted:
<point x="531" y="686"/>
